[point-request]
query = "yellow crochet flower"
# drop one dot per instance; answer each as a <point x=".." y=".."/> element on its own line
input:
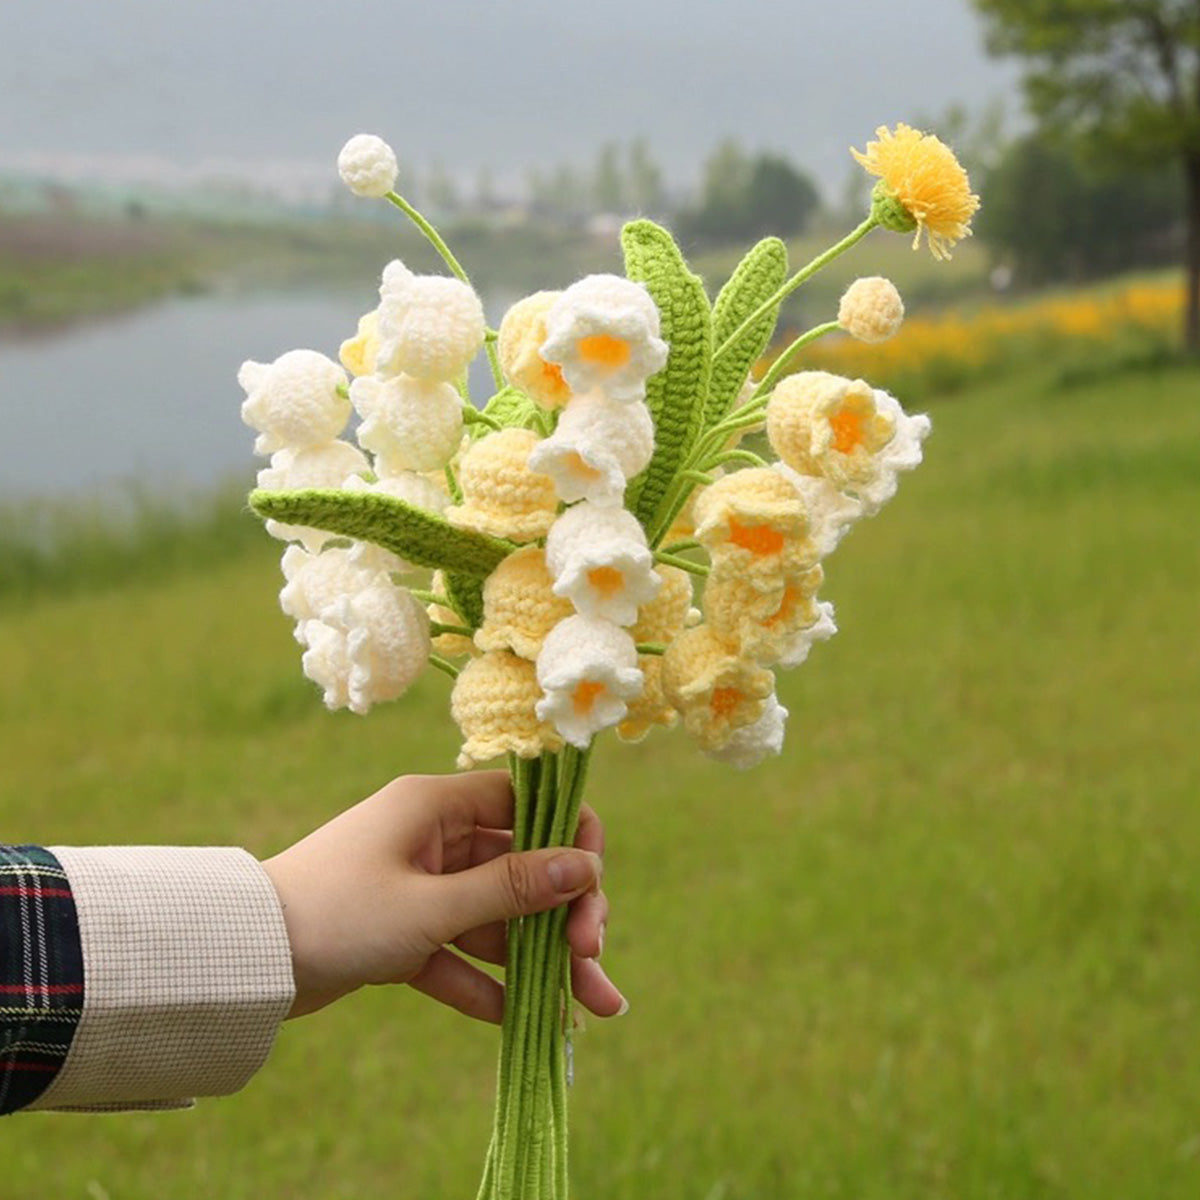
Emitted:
<point x="754" y="522"/>
<point x="763" y="625"/>
<point x="494" y="703"/>
<point x="871" y="309"/>
<point x="358" y="353"/>
<point x="522" y="333"/>
<point x="823" y="424"/>
<point x="450" y="645"/>
<point x="651" y="707"/>
<point x="501" y="495"/>
<point x="713" y="686"/>
<point x="519" y="605"/>
<point x="661" y="619"/>
<point x="919" y="174"/>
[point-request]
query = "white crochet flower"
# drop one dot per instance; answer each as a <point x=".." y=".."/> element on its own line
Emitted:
<point x="367" y="165"/>
<point x="413" y="489"/>
<point x="409" y="424"/>
<point x="821" y="630"/>
<point x="430" y="327"/>
<point x="902" y="453"/>
<point x="603" y="333"/>
<point x="597" y="447"/>
<point x="600" y="560"/>
<point x="293" y="402"/>
<point x="749" y="745"/>
<point x="830" y="513"/>
<point x="394" y="279"/>
<point x="368" y="648"/>
<point x="588" y="670"/>
<point x="324" y="466"/>
<point x="317" y="583"/>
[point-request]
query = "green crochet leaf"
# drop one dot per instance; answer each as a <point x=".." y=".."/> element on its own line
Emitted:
<point x="465" y="592"/>
<point x="416" y="534"/>
<point x="511" y="408"/>
<point x="677" y="395"/>
<point x="761" y="273"/>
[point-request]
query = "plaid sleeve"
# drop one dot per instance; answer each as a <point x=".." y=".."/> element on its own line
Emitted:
<point x="41" y="973"/>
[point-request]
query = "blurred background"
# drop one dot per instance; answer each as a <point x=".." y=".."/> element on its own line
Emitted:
<point x="946" y="946"/>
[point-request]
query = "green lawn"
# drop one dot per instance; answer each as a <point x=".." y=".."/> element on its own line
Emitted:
<point x="947" y="948"/>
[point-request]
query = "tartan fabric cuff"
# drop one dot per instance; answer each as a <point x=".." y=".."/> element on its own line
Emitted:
<point x="41" y="973"/>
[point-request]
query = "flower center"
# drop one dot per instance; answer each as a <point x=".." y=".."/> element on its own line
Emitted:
<point x="584" y="696"/>
<point x="606" y="580"/>
<point x="724" y="701"/>
<point x="553" y="373"/>
<point x="760" y="540"/>
<point x="603" y="350"/>
<point x="578" y="465"/>
<point x="848" y="431"/>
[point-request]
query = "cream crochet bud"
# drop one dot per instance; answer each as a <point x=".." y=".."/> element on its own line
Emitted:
<point x="430" y="327"/>
<point x="871" y="309"/>
<point x="603" y="332"/>
<point x="501" y="495"/>
<point x="522" y="333"/>
<point x="494" y="703"/>
<point x="588" y="672"/>
<point x="519" y="605"/>
<point x="597" y="447"/>
<point x="324" y="466"/>
<point x="367" y="166"/>
<point x="600" y="560"/>
<point x="293" y="402"/>
<point x="409" y="424"/>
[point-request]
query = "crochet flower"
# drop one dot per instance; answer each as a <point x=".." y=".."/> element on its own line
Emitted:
<point x="921" y="186"/>
<point x="763" y="625"/>
<point x="368" y="648"/>
<point x="650" y="708"/>
<point x="429" y="326"/>
<point x="662" y="618"/>
<point x="494" y="703"/>
<point x="603" y="332"/>
<point x="452" y="645"/>
<point x="367" y="165"/>
<point x="715" y="688"/>
<point x="317" y="582"/>
<point x="821" y="630"/>
<point x="328" y="465"/>
<point x="588" y="672"/>
<point x="519" y="605"/>
<point x="409" y="424"/>
<point x="500" y="494"/>
<point x="871" y="309"/>
<point x="522" y="333"/>
<point x="599" y="558"/>
<point x="830" y="513"/>
<point x="294" y="402"/>
<point x="597" y="447"/>
<point x="754" y="522"/>
<point x="358" y="354"/>
<point x="856" y="436"/>
<point x="748" y="746"/>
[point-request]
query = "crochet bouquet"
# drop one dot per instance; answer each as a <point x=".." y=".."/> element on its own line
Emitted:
<point x="599" y="548"/>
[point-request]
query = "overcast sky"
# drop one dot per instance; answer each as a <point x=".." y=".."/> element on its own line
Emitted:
<point x="499" y="83"/>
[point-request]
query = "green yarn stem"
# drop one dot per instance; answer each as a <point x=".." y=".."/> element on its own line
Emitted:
<point x="436" y="241"/>
<point x="779" y="367"/>
<point x="527" y="1155"/>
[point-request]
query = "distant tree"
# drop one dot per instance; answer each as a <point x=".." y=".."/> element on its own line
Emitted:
<point x="1057" y="215"/>
<point x="608" y="182"/>
<point x="1123" y="74"/>
<point x="646" y="193"/>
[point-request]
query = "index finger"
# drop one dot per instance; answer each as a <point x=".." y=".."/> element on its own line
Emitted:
<point x="470" y="799"/>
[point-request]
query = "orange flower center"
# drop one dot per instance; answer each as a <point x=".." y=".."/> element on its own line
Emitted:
<point x="585" y="695"/>
<point x="724" y="701"/>
<point x="603" y="350"/>
<point x="848" y="430"/>
<point x="760" y="540"/>
<point x="606" y="580"/>
<point x="578" y="465"/>
<point x="553" y="374"/>
<point x="787" y="607"/>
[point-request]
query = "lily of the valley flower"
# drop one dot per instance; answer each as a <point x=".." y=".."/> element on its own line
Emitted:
<point x="494" y="704"/>
<point x="749" y="745"/>
<point x="429" y="326"/>
<point x="763" y="625"/>
<point x="520" y="607"/>
<point x="501" y="495"/>
<point x="294" y="402"/>
<point x="408" y="424"/>
<point x="522" y="333"/>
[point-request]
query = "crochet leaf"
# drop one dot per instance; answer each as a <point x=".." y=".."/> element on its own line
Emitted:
<point x="415" y="534"/>
<point x="677" y="395"/>
<point x="761" y="273"/>
<point x="511" y="408"/>
<point x="465" y="593"/>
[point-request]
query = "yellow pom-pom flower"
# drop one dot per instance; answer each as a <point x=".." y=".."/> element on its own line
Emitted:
<point x="494" y="703"/>
<point x="501" y="495"/>
<point x="715" y="688"/>
<point x="519" y="605"/>
<point x="522" y="333"/>
<point x="919" y="175"/>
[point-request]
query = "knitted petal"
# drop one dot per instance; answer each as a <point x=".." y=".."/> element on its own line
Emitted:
<point x="357" y="354"/>
<point x="388" y="646"/>
<point x="501" y="495"/>
<point x="326" y="661"/>
<point x="830" y="513"/>
<point x="494" y="703"/>
<point x="663" y="618"/>
<point x="597" y="447"/>
<point x="762" y="624"/>
<point x="429" y="328"/>
<point x="599" y="559"/>
<point x="519" y="605"/>
<point x="651" y="707"/>
<point x="588" y="672"/>
<point x="316" y="583"/>
<point x="748" y="746"/>
<point x="522" y="333"/>
<point x="802" y="641"/>
<point x="293" y="402"/>
<point x="410" y="424"/>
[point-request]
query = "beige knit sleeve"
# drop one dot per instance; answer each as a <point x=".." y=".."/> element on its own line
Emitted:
<point x="187" y="975"/>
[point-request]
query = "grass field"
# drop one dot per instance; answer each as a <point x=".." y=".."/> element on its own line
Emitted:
<point x="946" y="948"/>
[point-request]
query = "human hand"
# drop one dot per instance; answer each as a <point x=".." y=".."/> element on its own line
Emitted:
<point x="375" y="895"/>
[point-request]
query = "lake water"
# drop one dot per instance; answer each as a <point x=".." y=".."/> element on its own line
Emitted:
<point x="153" y="394"/>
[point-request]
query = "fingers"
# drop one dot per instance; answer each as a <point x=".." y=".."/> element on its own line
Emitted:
<point x="455" y="982"/>
<point x="594" y="990"/>
<point x="585" y="924"/>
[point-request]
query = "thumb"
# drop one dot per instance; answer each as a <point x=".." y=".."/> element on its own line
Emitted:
<point x="514" y="885"/>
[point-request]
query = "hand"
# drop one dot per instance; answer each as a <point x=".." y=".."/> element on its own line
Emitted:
<point x="374" y="895"/>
